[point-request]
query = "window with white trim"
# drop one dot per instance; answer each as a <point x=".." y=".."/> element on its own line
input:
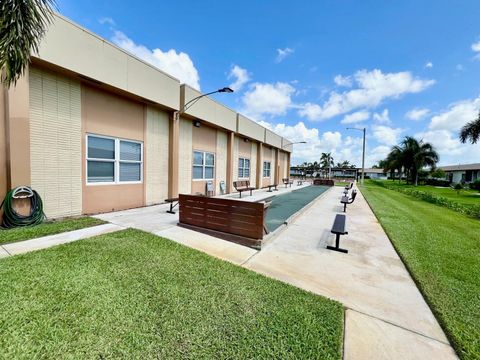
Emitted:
<point x="266" y="168"/>
<point x="243" y="168"/>
<point x="113" y="160"/>
<point x="203" y="165"/>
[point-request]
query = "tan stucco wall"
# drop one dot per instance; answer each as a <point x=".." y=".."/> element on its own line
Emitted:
<point x="18" y="132"/>
<point x="269" y="155"/>
<point x="273" y="139"/>
<point x="209" y="110"/>
<point x="235" y="160"/>
<point x="204" y="138"/>
<point x="156" y="156"/>
<point x="250" y="128"/>
<point x="185" y="155"/>
<point x="76" y="49"/>
<point x="55" y="142"/>
<point x="3" y="147"/>
<point x="253" y="165"/>
<point x="221" y="158"/>
<point x="111" y="115"/>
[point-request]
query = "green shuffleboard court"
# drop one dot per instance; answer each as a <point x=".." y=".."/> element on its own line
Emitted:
<point x="284" y="206"/>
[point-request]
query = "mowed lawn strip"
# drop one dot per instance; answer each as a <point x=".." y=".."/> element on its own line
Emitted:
<point x="441" y="249"/>
<point x="134" y="295"/>
<point x="47" y="228"/>
<point x="465" y="196"/>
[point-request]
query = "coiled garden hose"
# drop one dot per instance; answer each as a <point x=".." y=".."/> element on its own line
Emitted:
<point x="13" y="219"/>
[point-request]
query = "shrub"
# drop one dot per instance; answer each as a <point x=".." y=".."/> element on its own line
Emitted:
<point x="475" y="185"/>
<point x="437" y="182"/>
<point x="472" y="210"/>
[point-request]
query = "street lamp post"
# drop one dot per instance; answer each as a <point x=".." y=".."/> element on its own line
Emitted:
<point x="195" y="99"/>
<point x="364" y="130"/>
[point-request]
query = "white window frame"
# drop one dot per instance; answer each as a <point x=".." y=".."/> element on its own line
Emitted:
<point x="269" y="169"/>
<point x="244" y="168"/>
<point x="204" y="166"/>
<point x="116" y="160"/>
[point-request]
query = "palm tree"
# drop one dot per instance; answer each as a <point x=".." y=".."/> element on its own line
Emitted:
<point x="326" y="161"/>
<point x="22" y="25"/>
<point x="412" y="155"/>
<point x="471" y="131"/>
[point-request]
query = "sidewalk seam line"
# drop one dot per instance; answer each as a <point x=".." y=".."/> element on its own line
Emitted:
<point x="399" y="326"/>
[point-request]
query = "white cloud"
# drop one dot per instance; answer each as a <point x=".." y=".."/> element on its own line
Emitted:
<point x="176" y="64"/>
<point x="267" y="99"/>
<point x="348" y="148"/>
<point x="283" y="53"/>
<point x="386" y="135"/>
<point x="429" y="65"/>
<point x="457" y="115"/>
<point x="240" y="75"/>
<point x="417" y="114"/>
<point x="476" y="46"/>
<point x="356" y="117"/>
<point x="383" y="117"/>
<point x="107" y="20"/>
<point x="345" y="81"/>
<point x="373" y="87"/>
<point x="310" y="111"/>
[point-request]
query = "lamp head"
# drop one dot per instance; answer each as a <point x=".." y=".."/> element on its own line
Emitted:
<point x="225" y="90"/>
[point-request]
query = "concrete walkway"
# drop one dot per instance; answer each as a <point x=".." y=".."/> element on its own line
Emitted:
<point x="386" y="317"/>
<point x="22" y="247"/>
<point x="155" y="219"/>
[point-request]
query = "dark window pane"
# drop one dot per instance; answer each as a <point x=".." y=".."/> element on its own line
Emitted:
<point x="209" y="173"/>
<point x="99" y="171"/>
<point x="197" y="172"/>
<point x="101" y="148"/>
<point x="130" y="172"/>
<point x="130" y="151"/>
<point x="197" y="158"/>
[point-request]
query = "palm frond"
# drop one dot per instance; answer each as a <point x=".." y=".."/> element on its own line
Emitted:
<point x="22" y="25"/>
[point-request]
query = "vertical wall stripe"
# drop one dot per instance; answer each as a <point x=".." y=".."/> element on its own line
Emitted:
<point x="221" y="167"/>
<point x="235" y="159"/>
<point x="156" y="156"/>
<point x="185" y="155"/>
<point x="253" y="165"/>
<point x="55" y="142"/>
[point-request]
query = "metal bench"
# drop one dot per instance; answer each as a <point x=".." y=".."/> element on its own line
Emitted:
<point x="339" y="228"/>
<point x="172" y="205"/>
<point x="243" y="185"/>
<point x="287" y="182"/>
<point x="346" y="200"/>
<point x="300" y="182"/>
<point x="273" y="186"/>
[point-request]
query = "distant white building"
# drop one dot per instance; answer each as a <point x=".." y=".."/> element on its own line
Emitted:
<point x="462" y="173"/>
<point x="374" y="174"/>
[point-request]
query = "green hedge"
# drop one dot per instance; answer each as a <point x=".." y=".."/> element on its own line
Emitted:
<point x="471" y="210"/>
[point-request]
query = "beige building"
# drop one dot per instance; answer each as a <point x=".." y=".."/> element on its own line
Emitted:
<point x="92" y="129"/>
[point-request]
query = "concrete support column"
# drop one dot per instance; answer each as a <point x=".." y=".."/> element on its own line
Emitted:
<point x="259" y="165"/>
<point x="277" y="167"/>
<point x="17" y="130"/>
<point x="173" y="159"/>
<point x="289" y="164"/>
<point x="230" y="164"/>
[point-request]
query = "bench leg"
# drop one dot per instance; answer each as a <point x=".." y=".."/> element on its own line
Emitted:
<point x="337" y="245"/>
<point x="170" y="211"/>
<point x="240" y="194"/>
<point x="250" y="192"/>
<point x="345" y="207"/>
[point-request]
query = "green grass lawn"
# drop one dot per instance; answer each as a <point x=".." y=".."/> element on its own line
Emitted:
<point x="441" y="248"/>
<point x="134" y="295"/>
<point x="47" y="228"/>
<point x="466" y="197"/>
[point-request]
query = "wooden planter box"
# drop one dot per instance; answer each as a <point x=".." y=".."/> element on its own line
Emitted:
<point x="241" y="222"/>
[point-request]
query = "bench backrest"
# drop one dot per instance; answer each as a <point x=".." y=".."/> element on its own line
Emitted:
<point x="241" y="184"/>
<point x="285" y="180"/>
<point x="229" y="216"/>
<point x="354" y="195"/>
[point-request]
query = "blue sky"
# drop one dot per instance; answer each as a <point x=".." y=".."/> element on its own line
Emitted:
<point x="309" y="69"/>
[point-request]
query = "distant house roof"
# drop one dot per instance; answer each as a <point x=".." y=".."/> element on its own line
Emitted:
<point x="372" y="171"/>
<point x="460" y="167"/>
